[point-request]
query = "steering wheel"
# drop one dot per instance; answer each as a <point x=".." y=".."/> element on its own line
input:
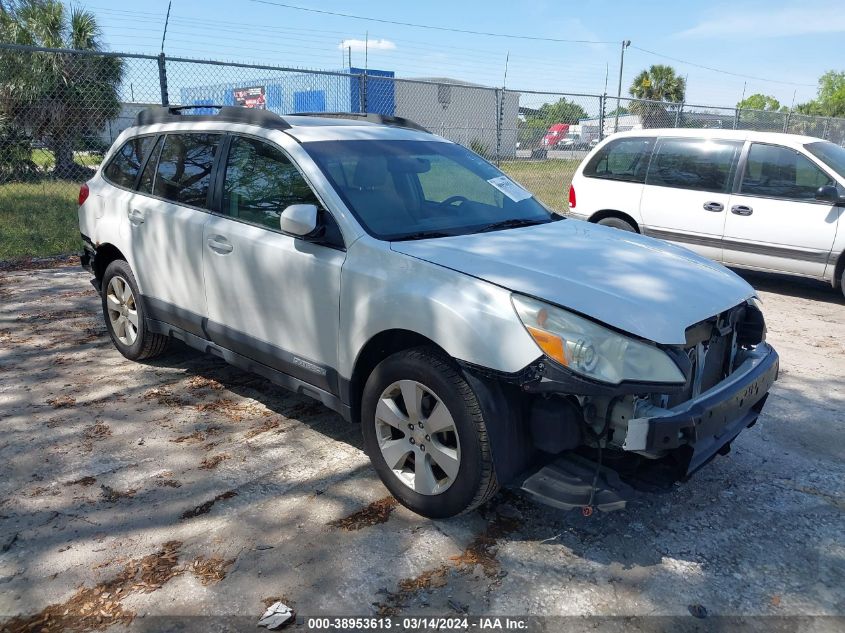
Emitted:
<point x="453" y="200"/>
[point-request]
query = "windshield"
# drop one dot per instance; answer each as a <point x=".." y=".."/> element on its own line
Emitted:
<point x="831" y="155"/>
<point x="415" y="189"/>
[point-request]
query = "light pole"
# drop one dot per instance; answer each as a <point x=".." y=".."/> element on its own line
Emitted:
<point x="625" y="44"/>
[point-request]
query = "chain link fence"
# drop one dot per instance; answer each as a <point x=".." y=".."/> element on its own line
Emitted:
<point x="60" y="110"/>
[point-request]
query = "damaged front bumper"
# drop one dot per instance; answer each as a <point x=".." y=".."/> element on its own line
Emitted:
<point x="702" y="427"/>
<point x="677" y="441"/>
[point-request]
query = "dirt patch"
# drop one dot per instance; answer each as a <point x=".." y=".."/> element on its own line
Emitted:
<point x="168" y="483"/>
<point x="202" y="382"/>
<point x="235" y="411"/>
<point x="110" y="495"/>
<point x="99" y="607"/>
<point x="82" y="481"/>
<point x="210" y="463"/>
<point x="375" y="513"/>
<point x="205" y="508"/>
<point x="40" y="263"/>
<point x="479" y="554"/>
<point x="164" y="396"/>
<point x="200" y="435"/>
<point x="61" y="402"/>
<point x="210" y="570"/>
<point x="98" y="431"/>
<point x="264" y="427"/>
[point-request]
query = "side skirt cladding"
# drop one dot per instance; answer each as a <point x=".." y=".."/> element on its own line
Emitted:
<point x="279" y="366"/>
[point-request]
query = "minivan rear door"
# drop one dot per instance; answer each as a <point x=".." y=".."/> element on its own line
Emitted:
<point x="687" y="191"/>
<point x="774" y="221"/>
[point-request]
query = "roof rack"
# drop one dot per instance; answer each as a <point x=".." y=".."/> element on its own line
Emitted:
<point x="370" y="117"/>
<point x="227" y="114"/>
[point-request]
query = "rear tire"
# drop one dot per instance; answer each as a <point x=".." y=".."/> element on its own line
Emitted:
<point x="439" y="449"/>
<point x="617" y="223"/>
<point x="124" y="314"/>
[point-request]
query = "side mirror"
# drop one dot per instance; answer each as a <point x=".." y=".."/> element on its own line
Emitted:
<point x="299" y="219"/>
<point x="829" y="193"/>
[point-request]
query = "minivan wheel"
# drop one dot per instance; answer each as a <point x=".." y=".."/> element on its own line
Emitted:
<point x="124" y="314"/>
<point x="426" y="436"/>
<point x="617" y="223"/>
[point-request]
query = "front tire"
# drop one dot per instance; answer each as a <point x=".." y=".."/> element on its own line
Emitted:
<point x="617" y="223"/>
<point x="426" y="436"/>
<point x="124" y="314"/>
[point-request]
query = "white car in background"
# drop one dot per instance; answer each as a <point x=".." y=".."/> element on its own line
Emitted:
<point x="479" y="338"/>
<point x="762" y="201"/>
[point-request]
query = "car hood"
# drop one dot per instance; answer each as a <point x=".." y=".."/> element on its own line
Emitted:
<point x="637" y="284"/>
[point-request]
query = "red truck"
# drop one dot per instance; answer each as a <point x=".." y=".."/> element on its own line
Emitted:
<point x="555" y="134"/>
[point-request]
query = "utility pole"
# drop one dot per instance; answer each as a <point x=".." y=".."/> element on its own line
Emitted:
<point x="166" y="20"/>
<point x="625" y="44"/>
<point x="349" y="49"/>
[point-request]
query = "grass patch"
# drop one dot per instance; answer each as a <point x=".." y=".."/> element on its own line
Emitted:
<point x="547" y="179"/>
<point x="38" y="219"/>
<point x="45" y="160"/>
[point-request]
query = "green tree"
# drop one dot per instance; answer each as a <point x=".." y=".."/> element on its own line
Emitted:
<point x="58" y="98"/>
<point x="652" y="88"/>
<point x="759" y="101"/>
<point x="830" y="98"/>
<point x="532" y="129"/>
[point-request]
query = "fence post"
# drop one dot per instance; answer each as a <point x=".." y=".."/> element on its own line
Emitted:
<point x="736" y="118"/>
<point x="826" y="128"/>
<point x="678" y="114"/>
<point x="362" y="92"/>
<point x="786" y="121"/>
<point x="162" y="80"/>
<point x="500" y="101"/>
<point x="602" y="101"/>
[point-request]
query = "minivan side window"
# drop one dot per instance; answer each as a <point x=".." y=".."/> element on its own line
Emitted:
<point x="699" y="164"/>
<point x="122" y="170"/>
<point x="261" y="182"/>
<point x="184" y="168"/>
<point x="624" y="159"/>
<point x="780" y="172"/>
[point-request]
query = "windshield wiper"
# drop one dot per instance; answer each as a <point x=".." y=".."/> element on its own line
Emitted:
<point x="511" y="224"/>
<point x="422" y="235"/>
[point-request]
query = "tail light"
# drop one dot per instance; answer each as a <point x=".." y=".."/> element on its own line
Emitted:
<point x="83" y="194"/>
<point x="571" y="197"/>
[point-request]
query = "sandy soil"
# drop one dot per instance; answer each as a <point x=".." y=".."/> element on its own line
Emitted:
<point x="187" y="487"/>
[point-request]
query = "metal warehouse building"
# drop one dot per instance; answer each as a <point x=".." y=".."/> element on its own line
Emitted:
<point x="470" y="114"/>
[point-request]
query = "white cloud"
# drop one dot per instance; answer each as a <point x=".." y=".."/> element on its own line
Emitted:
<point x="809" y="19"/>
<point x="358" y="46"/>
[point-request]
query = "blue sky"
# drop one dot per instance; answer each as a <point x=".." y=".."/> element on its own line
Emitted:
<point x="787" y="43"/>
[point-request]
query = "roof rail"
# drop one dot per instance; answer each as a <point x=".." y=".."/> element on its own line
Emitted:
<point x="370" y="117"/>
<point x="227" y="114"/>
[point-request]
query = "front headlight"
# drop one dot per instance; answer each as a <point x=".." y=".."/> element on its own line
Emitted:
<point x="592" y="350"/>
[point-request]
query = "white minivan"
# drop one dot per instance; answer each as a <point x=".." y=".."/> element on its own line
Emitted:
<point x="763" y="201"/>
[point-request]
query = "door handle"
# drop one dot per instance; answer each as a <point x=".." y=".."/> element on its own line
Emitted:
<point x="714" y="206"/>
<point x="135" y="217"/>
<point x="741" y="209"/>
<point x="219" y="244"/>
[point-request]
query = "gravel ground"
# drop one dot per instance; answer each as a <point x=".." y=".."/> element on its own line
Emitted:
<point x="187" y="487"/>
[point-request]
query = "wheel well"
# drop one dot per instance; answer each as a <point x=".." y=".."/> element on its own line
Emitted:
<point x="106" y="254"/>
<point x="840" y="268"/>
<point x="378" y="348"/>
<point x="611" y="213"/>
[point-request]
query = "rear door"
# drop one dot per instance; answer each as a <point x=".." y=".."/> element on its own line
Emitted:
<point x="775" y="222"/>
<point x="687" y="191"/>
<point x="166" y="218"/>
<point x="613" y="178"/>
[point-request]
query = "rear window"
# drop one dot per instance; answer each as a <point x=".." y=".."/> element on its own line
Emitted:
<point x="184" y="168"/>
<point x="123" y="169"/>
<point x="703" y="165"/>
<point x="624" y="159"/>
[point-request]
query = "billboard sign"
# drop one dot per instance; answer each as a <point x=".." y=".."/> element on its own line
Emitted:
<point x="252" y="97"/>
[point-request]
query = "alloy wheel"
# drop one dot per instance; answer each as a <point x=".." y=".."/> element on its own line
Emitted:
<point x="417" y="437"/>
<point x="122" y="310"/>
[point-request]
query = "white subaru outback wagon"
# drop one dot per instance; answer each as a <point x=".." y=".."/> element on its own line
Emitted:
<point x="478" y="338"/>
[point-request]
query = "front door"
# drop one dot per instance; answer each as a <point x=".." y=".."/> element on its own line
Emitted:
<point x="686" y="192"/>
<point x="775" y="222"/>
<point x="272" y="297"/>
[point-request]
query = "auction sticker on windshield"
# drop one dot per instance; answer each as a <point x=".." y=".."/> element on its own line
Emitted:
<point x="510" y="188"/>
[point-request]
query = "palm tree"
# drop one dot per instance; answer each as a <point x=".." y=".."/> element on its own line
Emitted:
<point x="659" y="83"/>
<point x="56" y="97"/>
